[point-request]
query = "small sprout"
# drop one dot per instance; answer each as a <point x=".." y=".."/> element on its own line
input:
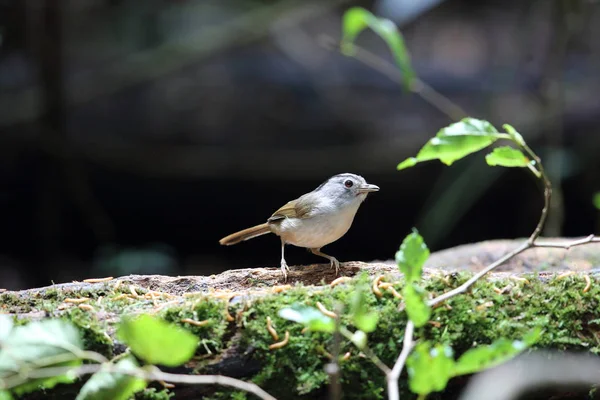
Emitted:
<point x="272" y="330"/>
<point x="341" y="279"/>
<point x="194" y="322"/>
<point x="485" y="305"/>
<point x="281" y="344"/>
<point x="394" y="292"/>
<point x="325" y="311"/>
<point x="77" y="301"/>
<point x="435" y="323"/>
<point x="346" y="356"/>
<point x="166" y="385"/>
<point x="98" y="280"/>
<point x="281" y="288"/>
<point x="133" y="292"/>
<point x="588" y="283"/>
<point x="519" y="279"/>
<point x="565" y="274"/>
<point x="375" y="287"/>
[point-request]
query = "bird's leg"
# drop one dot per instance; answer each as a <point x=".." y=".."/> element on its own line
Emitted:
<point x="334" y="262"/>
<point x="284" y="265"/>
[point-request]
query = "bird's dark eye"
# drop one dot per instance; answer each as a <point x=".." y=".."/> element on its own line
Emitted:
<point x="348" y="183"/>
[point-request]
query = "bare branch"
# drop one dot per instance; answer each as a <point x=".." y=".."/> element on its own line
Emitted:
<point x="149" y="375"/>
<point x="394" y="375"/>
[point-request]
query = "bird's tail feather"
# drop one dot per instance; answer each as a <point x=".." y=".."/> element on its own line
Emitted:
<point x="246" y="234"/>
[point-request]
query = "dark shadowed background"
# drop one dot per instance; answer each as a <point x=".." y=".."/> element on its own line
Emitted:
<point x="134" y="134"/>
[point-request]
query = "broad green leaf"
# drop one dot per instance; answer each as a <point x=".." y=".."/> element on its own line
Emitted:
<point x="359" y="338"/>
<point x="412" y="256"/>
<point x="361" y="317"/>
<point x="596" y="200"/>
<point x="514" y="135"/>
<point x="48" y="343"/>
<point x="483" y="357"/>
<point x="506" y="156"/>
<point x="4" y="395"/>
<point x="105" y="385"/>
<point x="156" y="341"/>
<point x="416" y="307"/>
<point x="357" y="19"/>
<point x="6" y="325"/>
<point x="429" y="369"/>
<point x="310" y="317"/>
<point x="456" y="141"/>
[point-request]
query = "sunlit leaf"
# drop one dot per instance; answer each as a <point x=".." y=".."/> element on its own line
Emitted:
<point x="157" y="341"/>
<point x="506" y="156"/>
<point x="502" y="350"/>
<point x="429" y="369"/>
<point x="456" y="141"/>
<point x="416" y="306"/>
<point x="6" y="325"/>
<point x="48" y="343"/>
<point x="4" y="395"/>
<point x="362" y="318"/>
<point x="310" y="317"/>
<point x="516" y="136"/>
<point x="359" y="338"/>
<point x="357" y="19"/>
<point x="596" y="200"/>
<point x="105" y="385"/>
<point x="412" y="256"/>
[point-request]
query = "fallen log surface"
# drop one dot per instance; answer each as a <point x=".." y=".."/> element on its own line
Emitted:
<point x="541" y="286"/>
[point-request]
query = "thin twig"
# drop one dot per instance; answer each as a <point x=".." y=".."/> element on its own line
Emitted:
<point x="333" y="368"/>
<point x="394" y="374"/>
<point x="418" y="87"/>
<point x="149" y="375"/>
<point x="367" y="352"/>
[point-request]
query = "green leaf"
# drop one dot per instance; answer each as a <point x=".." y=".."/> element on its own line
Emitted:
<point x="4" y="395"/>
<point x="429" y="369"/>
<point x="361" y="317"/>
<point x="310" y="317"/>
<point x="596" y="200"/>
<point x="357" y="19"/>
<point x="514" y="135"/>
<point x="501" y="350"/>
<point x="416" y="307"/>
<point x="48" y="343"/>
<point x="156" y="341"/>
<point x="6" y="325"/>
<point x="359" y="338"/>
<point x="412" y="256"/>
<point x="105" y="385"/>
<point x="456" y="141"/>
<point x="506" y="156"/>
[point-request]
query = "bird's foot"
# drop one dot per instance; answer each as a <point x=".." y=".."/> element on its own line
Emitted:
<point x="284" y="269"/>
<point x="335" y="263"/>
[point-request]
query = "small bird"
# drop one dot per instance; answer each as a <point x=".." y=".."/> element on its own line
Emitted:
<point x="315" y="219"/>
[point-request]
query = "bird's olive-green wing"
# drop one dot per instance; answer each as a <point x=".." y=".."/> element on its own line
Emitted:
<point x="292" y="209"/>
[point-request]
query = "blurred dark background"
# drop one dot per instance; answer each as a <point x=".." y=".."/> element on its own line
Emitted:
<point x="134" y="134"/>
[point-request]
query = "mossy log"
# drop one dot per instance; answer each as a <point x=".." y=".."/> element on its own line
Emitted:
<point x="532" y="289"/>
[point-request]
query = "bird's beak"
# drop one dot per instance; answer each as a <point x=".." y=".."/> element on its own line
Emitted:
<point x="366" y="188"/>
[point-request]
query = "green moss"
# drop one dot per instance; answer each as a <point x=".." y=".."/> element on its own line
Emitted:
<point x="570" y="319"/>
<point x="93" y="332"/>
<point x="201" y="308"/>
<point x="154" y="394"/>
